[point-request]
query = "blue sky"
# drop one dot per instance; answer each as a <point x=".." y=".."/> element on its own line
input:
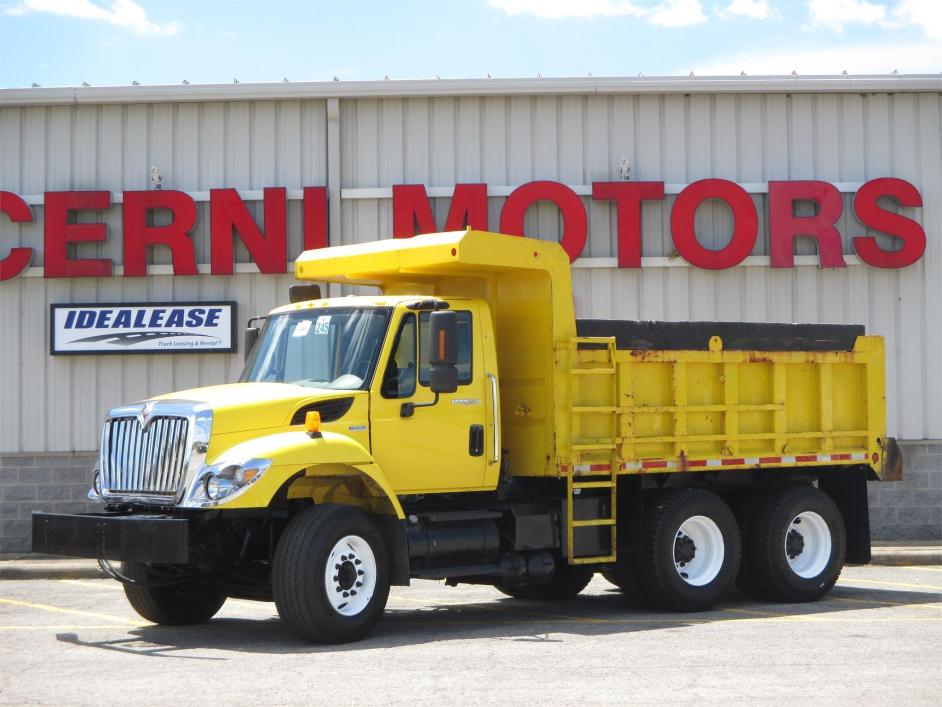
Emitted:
<point x="115" y="42"/>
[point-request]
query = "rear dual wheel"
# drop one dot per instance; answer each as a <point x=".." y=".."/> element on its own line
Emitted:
<point x="692" y="551"/>
<point x="796" y="545"/>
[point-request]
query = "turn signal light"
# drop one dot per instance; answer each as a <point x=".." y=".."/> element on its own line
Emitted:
<point x="312" y="422"/>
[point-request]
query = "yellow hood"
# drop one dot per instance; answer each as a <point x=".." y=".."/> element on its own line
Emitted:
<point x="238" y="407"/>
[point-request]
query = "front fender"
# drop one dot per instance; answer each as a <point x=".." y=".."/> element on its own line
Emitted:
<point x="291" y="452"/>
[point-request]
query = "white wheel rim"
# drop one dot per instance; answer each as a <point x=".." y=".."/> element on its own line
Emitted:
<point x="808" y="544"/>
<point x="350" y="575"/>
<point x="698" y="550"/>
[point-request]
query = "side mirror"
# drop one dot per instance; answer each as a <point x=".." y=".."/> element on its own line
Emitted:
<point x="250" y="337"/>
<point x="443" y="352"/>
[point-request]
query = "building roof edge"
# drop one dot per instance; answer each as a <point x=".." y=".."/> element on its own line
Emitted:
<point x="910" y="83"/>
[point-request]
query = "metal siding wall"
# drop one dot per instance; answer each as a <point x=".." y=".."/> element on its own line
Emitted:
<point x="503" y="141"/>
<point x="680" y="138"/>
<point x="57" y="403"/>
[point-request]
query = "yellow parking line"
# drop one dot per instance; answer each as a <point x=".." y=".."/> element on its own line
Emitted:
<point x="115" y="587"/>
<point x="76" y="612"/>
<point x="95" y="584"/>
<point x="878" y="602"/>
<point x="852" y="580"/>
<point x="749" y="615"/>
<point x="923" y="568"/>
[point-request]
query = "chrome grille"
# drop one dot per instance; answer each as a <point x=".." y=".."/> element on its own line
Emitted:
<point x="147" y="461"/>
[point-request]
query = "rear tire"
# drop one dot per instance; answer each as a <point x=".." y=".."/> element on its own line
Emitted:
<point x="692" y="551"/>
<point x="797" y="545"/>
<point x="183" y="604"/>
<point x="567" y="582"/>
<point x="330" y="575"/>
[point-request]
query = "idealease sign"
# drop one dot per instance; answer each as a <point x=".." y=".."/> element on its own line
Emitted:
<point x="171" y="327"/>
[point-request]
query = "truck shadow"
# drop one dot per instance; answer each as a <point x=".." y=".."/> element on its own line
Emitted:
<point x="430" y="621"/>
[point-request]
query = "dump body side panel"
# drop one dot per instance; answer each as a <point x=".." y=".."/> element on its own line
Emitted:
<point x="705" y="410"/>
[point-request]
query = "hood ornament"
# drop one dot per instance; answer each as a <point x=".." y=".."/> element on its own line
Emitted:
<point x="146" y="414"/>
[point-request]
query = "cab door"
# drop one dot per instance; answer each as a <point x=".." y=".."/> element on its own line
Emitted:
<point x="439" y="448"/>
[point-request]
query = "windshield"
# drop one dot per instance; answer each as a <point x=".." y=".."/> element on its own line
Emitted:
<point x="332" y="347"/>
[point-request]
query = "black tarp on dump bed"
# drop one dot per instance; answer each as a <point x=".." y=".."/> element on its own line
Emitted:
<point x="736" y="336"/>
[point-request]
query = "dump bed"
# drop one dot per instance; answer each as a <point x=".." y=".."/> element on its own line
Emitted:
<point x="655" y="397"/>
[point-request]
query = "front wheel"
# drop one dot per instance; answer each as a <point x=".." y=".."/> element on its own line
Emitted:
<point x="797" y="544"/>
<point x="692" y="551"/>
<point x="330" y="575"/>
<point x="180" y="604"/>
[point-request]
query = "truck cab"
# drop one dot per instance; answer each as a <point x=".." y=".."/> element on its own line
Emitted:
<point x="377" y="348"/>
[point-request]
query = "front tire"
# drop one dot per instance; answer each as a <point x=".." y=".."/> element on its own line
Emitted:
<point x="181" y="604"/>
<point x="692" y="551"/>
<point x="330" y="575"/>
<point x="797" y="545"/>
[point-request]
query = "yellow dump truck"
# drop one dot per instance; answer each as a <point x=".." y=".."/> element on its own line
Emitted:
<point x="463" y="425"/>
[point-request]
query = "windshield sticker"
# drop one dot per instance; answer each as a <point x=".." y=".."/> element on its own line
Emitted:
<point x="322" y="325"/>
<point x="303" y="327"/>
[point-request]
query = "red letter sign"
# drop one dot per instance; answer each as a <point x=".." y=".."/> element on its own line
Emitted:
<point x="745" y="224"/>
<point x="18" y="259"/>
<point x="872" y="216"/>
<point x="628" y="197"/>
<point x="227" y="213"/>
<point x="411" y="208"/>
<point x="569" y="203"/>
<point x="59" y="233"/>
<point x="784" y="226"/>
<point x="138" y="236"/>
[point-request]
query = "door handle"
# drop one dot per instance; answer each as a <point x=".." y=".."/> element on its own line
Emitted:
<point x="476" y="440"/>
<point x="495" y="409"/>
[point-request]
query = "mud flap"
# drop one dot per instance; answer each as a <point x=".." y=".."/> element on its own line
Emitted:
<point x="848" y="489"/>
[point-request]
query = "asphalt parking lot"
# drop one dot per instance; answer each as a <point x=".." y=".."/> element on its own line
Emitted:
<point x="877" y="639"/>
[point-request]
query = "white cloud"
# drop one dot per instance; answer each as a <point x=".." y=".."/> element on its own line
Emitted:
<point x="834" y="14"/>
<point x="556" y="9"/>
<point x="677" y="13"/>
<point x="756" y="9"/>
<point x="670" y="13"/>
<point x="122" y="13"/>
<point x="911" y="57"/>
<point x="925" y="14"/>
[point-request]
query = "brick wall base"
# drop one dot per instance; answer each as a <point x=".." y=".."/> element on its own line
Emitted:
<point x="906" y="510"/>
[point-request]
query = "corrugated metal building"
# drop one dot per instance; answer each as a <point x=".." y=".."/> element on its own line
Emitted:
<point x="360" y="139"/>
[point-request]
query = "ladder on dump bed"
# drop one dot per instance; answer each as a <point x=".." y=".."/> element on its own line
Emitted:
<point x="598" y="474"/>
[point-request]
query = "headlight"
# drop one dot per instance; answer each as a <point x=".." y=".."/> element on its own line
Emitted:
<point x="94" y="493"/>
<point x="217" y="482"/>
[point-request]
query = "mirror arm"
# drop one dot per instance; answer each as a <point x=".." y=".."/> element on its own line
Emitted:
<point x="408" y="409"/>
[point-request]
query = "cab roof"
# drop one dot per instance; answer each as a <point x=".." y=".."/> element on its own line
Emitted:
<point x="352" y="301"/>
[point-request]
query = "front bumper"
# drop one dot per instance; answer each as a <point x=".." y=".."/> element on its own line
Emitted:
<point x="109" y="536"/>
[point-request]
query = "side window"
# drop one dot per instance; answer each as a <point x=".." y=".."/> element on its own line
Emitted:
<point x="464" y="347"/>
<point x="399" y="378"/>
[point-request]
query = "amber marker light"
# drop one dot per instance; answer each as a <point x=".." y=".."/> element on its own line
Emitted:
<point x="312" y="422"/>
